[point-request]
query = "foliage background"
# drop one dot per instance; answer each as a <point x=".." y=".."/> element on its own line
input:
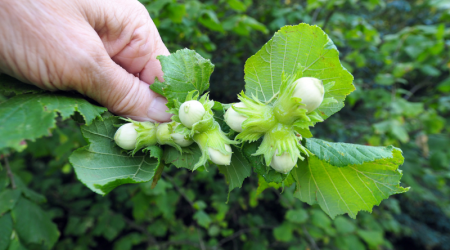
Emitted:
<point x="398" y="52"/>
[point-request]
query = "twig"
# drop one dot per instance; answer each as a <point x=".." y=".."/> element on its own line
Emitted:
<point x="151" y="239"/>
<point x="238" y="233"/>
<point x="316" y="13"/>
<point x="415" y="89"/>
<point x="10" y="174"/>
<point x="327" y="19"/>
<point x="179" y="242"/>
<point x="202" y="245"/>
<point x="178" y="189"/>
<point x="311" y="239"/>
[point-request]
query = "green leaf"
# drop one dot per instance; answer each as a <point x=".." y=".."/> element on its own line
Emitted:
<point x="16" y="245"/>
<point x="444" y="86"/>
<point x="202" y="218"/>
<point x="156" y="6"/>
<point x="300" y="44"/>
<point x="297" y="216"/>
<point x="372" y="238"/>
<point x="29" y="193"/>
<point x="344" y="154"/>
<point x="184" y="71"/>
<point x="176" y="12"/>
<point x="8" y="199"/>
<point x="10" y="85"/>
<point x="33" y="225"/>
<point x="320" y="219"/>
<point x="188" y="159"/>
<point x="340" y="190"/>
<point x="344" y="225"/>
<point x="30" y="116"/>
<point x="284" y="232"/>
<point x="6" y="229"/>
<point x="209" y="19"/>
<point x="350" y="242"/>
<point x="237" y="171"/>
<point x="253" y="24"/>
<point x="263" y="184"/>
<point x="237" y="5"/>
<point x="102" y="165"/>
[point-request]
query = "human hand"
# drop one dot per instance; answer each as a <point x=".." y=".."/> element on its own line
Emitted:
<point x="104" y="49"/>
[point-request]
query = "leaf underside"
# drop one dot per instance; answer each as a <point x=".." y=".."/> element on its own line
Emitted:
<point x="340" y="190"/>
<point x="301" y="44"/>
<point x="30" y="116"/>
<point x="102" y="165"/>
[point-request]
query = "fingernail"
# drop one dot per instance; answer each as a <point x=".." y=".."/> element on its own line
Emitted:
<point x="157" y="110"/>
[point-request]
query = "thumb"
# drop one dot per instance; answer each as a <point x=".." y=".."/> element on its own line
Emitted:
<point x="126" y="95"/>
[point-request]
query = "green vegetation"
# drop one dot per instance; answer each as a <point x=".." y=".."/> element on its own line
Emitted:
<point x="398" y="53"/>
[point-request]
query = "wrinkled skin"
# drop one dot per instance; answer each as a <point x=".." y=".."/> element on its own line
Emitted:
<point x="104" y="49"/>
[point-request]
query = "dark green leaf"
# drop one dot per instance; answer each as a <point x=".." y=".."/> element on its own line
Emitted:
<point x="188" y="159"/>
<point x="16" y="245"/>
<point x="30" y="116"/>
<point x="8" y="199"/>
<point x="10" y="85"/>
<point x="237" y="171"/>
<point x="6" y="229"/>
<point x="33" y="225"/>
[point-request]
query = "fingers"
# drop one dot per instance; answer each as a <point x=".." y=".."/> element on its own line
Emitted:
<point x="126" y="95"/>
<point x="133" y="43"/>
<point x="153" y="68"/>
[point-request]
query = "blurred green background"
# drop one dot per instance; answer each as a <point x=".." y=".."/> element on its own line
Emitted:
<point x="398" y="52"/>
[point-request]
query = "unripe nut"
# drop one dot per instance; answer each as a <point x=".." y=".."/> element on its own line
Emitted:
<point x="180" y="140"/>
<point x="311" y="91"/>
<point x="126" y="136"/>
<point x="233" y="119"/>
<point x="191" y="112"/>
<point x="218" y="158"/>
<point x="282" y="163"/>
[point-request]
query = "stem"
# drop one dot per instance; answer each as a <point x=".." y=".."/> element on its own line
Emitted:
<point x="202" y="245"/>
<point x="238" y="233"/>
<point x="10" y="174"/>
<point x="311" y="239"/>
<point x="327" y="19"/>
<point x="151" y="240"/>
<point x="316" y="13"/>
<point x="170" y="179"/>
